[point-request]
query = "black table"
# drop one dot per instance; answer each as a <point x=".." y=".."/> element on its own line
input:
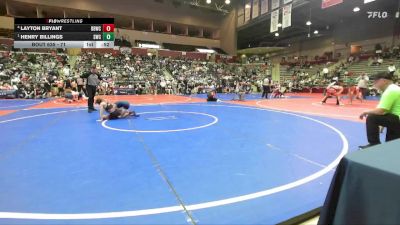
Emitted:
<point x="365" y="188"/>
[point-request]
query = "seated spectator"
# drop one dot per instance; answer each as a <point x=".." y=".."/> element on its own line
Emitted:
<point x="30" y="92"/>
<point x="379" y="61"/>
<point x="392" y="69"/>
<point x="41" y="91"/>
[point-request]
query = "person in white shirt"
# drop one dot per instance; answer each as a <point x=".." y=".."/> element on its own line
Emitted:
<point x="380" y="61"/>
<point x="15" y="80"/>
<point x="325" y="72"/>
<point x="66" y="71"/>
<point x="362" y="85"/>
<point x="163" y="85"/>
<point x="290" y="86"/>
<point x="266" y="87"/>
<point x="391" y="69"/>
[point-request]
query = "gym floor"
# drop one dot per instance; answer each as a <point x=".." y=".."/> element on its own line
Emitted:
<point x="183" y="161"/>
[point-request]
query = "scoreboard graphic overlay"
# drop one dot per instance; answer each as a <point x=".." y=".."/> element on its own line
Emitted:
<point x="64" y="33"/>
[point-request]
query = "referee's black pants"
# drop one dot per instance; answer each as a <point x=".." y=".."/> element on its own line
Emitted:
<point x="91" y="92"/>
<point x="390" y="121"/>
<point x="266" y="90"/>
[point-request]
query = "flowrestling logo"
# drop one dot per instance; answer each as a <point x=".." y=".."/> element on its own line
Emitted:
<point x="377" y="14"/>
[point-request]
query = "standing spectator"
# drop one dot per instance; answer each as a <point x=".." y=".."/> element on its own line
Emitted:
<point x="362" y="85"/>
<point x="290" y="86"/>
<point x="66" y="71"/>
<point x="163" y="85"/>
<point x="60" y="85"/>
<point x="93" y="80"/>
<point x="67" y="84"/>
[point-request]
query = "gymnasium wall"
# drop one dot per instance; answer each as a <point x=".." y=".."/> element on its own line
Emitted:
<point x="228" y="34"/>
<point x="310" y="48"/>
<point x="360" y="28"/>
<point x="7" y="22"/>
<point x="330" y="44"/>
<point x="133" y="35"/>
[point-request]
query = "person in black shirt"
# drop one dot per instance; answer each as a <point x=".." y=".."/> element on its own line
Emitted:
<point x="212" y="96"/>
<point x="93" y="80"/>
<point x="68" y="84"/>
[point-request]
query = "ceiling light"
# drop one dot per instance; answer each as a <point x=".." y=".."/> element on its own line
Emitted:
<point x="308" y="23"/>
<point x="279" y="25"/>
<point x="276" y="34"/>
<point x="227" y="2"/>
<point x="247" y="6"/>
<point x="315" y="31"/>
<point x="208" y="1"/>
<point x="356" y="9"/>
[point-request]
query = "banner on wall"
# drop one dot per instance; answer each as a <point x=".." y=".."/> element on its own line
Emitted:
<point x="274" y="4"/>
<point x="287" y="1"/>
<point x="247" y="11"/>
<point x="329" y="3"/>
<point x="255" y="8"/>
<point x="274" y="21"/>
<point x="264" y="6"/>
<point x="287" y="16"/>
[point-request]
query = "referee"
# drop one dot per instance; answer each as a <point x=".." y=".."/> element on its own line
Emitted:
<point x="93" y="80"/>
<point x="266" y="87"/>
<point x="387" y="112"/>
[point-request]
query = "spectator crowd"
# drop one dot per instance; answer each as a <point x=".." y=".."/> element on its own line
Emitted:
<point x="42" y="75"/>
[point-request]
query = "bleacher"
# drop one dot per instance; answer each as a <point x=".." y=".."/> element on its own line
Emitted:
<point x="286" y="74"/>
<point x="362" y="66"/>
<point x="354" y="69"/>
